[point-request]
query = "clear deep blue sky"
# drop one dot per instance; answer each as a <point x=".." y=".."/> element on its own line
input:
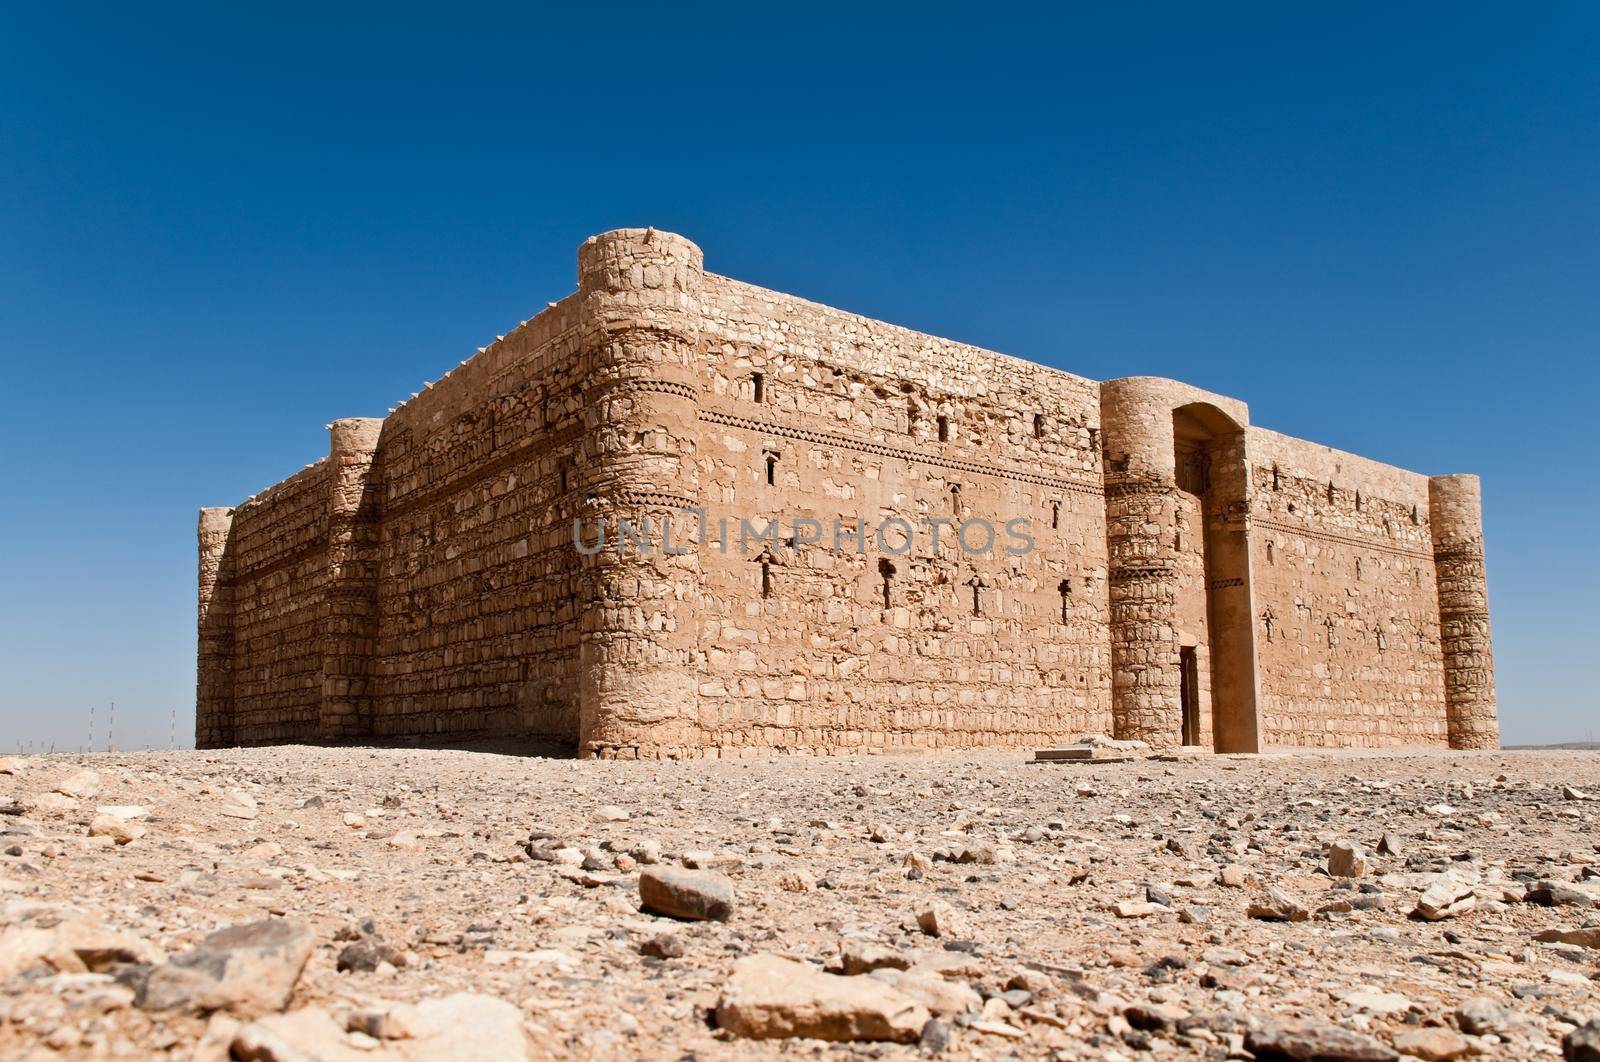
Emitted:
<point x="221" y="228"/>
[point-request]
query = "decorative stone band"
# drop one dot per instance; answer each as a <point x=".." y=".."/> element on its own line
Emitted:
<point x="341" y="592"/>
<point x="640" y="499"/>
<point x="884" y="450"/>
<point x="1133" y="488"/>
<point x="1124" y="574"/>
<point x="1360" y="542"/>
<point x="316" y="550"/>
<point x="1470" y="552"/>
<point x="664" y="387"/>
<point x="401" y="504"/>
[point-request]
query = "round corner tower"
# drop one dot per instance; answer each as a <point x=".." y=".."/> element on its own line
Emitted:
<point x="1455" y="517"/>
<point x="640" y="311"/>
<point x="213" y="708"/>
<point x="1140" y="485"/>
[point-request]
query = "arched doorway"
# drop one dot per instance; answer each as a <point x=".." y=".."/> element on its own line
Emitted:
<point x="1210" y="539"/>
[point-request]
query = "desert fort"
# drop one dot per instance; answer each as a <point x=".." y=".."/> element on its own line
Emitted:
<point x="1187" y="578"/>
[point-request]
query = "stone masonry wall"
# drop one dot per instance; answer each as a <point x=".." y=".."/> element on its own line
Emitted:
<point x="1347" y="605"/>
<point x="277" y="553"/>
<point x="477" y="589"/>
<point x="423" y="581"/>
<point x="854" y="650"/>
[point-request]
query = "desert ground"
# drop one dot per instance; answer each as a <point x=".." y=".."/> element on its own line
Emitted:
<point x="408" y="903"/>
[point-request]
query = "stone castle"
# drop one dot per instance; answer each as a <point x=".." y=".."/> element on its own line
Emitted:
<point x="1189" y="579"/>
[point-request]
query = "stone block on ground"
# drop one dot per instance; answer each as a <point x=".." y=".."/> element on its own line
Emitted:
<point x="1315" y="1042"/>
<point x="769" y="997"/>
<point x="691" y="895"/>
<point x="247" y="970"/>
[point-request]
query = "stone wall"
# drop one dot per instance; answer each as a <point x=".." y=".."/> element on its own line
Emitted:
<point x="922" y="647"/>
<point x="276" y="557"/>
<point x="1346" y="598"/>
<point x="477" y="596"/>
<point x="1189" y="579"/>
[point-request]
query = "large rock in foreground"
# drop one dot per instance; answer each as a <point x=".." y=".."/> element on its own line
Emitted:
<point x="246" y="970"/>
<point x="1316" y="1042"/>
<point x="771" y="997"/>
<point x="464" y="1027"/>
<point x="694" y="895"/>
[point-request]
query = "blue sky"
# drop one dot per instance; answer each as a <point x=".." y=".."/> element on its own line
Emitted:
<point x="222" y="227"/>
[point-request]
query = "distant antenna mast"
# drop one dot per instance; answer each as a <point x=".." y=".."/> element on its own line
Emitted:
<point x="91" y="727"/>
<point x="172" y="728"/>
<point x="111" y="729"/>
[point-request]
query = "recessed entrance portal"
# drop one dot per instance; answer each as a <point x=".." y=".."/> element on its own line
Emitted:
<point x="1210" y="467"/>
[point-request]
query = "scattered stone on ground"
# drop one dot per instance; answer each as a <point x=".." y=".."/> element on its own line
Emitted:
<point x="693" y="895"/>
<point x="770" y="997"/>
<point x="1315" y="1042"/>
<point x="245" y="969"/>
<point x="1346" y="859"/>
<point x="402" y="904"/>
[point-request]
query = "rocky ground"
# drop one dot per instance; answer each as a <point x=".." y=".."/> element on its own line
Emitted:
<point x="429" y="904"/>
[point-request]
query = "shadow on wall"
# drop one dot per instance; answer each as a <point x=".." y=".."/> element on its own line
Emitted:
<point x="543" y="748"/>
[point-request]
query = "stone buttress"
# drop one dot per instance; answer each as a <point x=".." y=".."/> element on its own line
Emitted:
<point x="349" y="622"/>
<point x="639" y="627"/>
<point x="1455" y="516"/>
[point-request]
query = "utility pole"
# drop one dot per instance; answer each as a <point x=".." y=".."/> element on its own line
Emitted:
<point x="111" y="729"/>
<point x="91" y="727"/>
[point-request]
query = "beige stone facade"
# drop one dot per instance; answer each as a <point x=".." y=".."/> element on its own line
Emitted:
<point x="1154" y="567"/>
